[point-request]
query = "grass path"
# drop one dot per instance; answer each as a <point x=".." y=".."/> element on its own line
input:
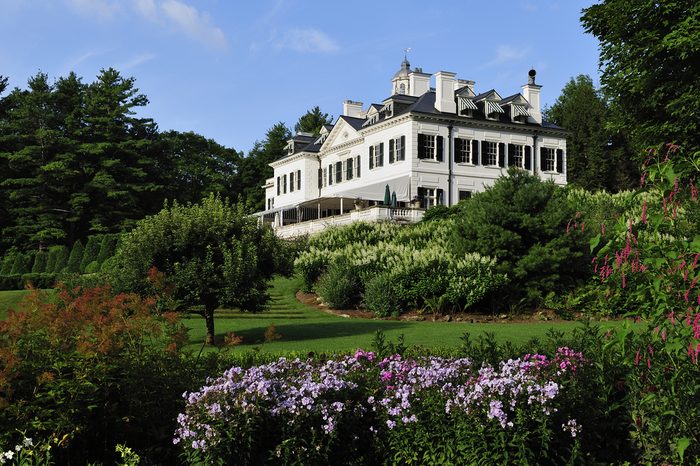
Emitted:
<point x="303" y="328"/>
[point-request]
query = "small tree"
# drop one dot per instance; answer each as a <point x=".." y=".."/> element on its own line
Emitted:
<point x="92" y="250"/>
<point x="109" y="243"/>
<point x="212" y="255"/>
<point x="76" y="256"/>
<point x="39" y="265"/>
<point x="61" y="259"/>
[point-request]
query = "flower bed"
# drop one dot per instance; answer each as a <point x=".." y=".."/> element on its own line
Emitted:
<point x="362" y="409"/>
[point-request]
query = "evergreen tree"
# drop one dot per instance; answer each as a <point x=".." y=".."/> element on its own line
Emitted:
<point x="312" y="121"/>
<point x="91" y="251"/>
<point x="75" y="258"/>
<point x="8" y="261"/>
<point x="22" y="264"/>
<point x="255" y="168"/>
<point x="39" y="265"/>
<point x="107" y="247"/>
<point x="595" y="159"/>
<point x="61" y="261"/>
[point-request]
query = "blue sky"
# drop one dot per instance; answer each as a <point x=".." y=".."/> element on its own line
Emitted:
<point x="229" y="69"/>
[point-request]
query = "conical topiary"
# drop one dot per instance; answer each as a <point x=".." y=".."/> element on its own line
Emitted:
<point x="91" y="251"/>
<point x="76" y="256"/>
<point x="61" y="262"/>
<point x="39" y="265"/>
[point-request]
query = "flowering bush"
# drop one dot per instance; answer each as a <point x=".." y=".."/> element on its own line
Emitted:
<point x="361" y="409"/>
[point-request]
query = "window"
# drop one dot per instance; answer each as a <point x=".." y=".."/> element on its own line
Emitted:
<point x="397" y="149"/>
<point x="298" y="180"/>
<point x="402" y="88"/>
<point x="464" y="195"/>
<point x="291" y="182"/>
<point x="430" y="147"/>
<point x="376" y="155"/>
<point x="463" y="151"/>
<point x="357" y="166"/>
<point x="338" y="172"/>
<point x="330" y="174"/>
<point x="430" y="197"/>
<point x="348" y="169"/>
<point x="491" y="154"/>
<point x="325" y="177"/>
<point x="284" y="184"/>
<point x="549" y="159"/>
<point x="516" y="155"/>
<point x="279" y="186"/>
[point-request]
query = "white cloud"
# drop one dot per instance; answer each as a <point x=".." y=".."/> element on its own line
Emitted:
<point x="181" y="16"/>
<point x="307" y="40"/>
<point x="507" y="53"/>
<point x="136" y="61"/>
<point x="100" y="8"/>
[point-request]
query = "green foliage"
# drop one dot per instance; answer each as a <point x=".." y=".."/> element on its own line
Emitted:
<point x="339" y="287"/>
<point x="643" y="45"/>
<point x="418" y="258"/>
<point x="75" y="258"/>
<point x="596" y="158"/>
<point x="39" y="265"/>
<point x="58" y="255"/>
<point x="8" y="261"/>
<point x="22" y="264"/>
<point x="91" y="251"/>
<point x="524" y="224"/>
<point x="312" y="121"/>
<point x="107" y="248"/>
<point x="211" y="253"/>
<point x="92" y="267"/>
<point x="382" y="296"/>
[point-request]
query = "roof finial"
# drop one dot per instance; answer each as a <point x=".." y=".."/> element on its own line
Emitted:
<point x="405" y="55"/>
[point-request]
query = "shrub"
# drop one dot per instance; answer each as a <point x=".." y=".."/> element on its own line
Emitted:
<point x="91" y="251"/>
<point x="11" y="282"/>
<point x="91" y="370"/>
<point x="339" y="287"/>
<point x="39" y="280"/>
<point x="92" y="267"/>
<point x="61" y="258"/>
<point x="22" y="264"/>
<point x="8" y="261"/>
<point x="381" y="296"/>
<point x="107" y="248"/>
<point x="39" y="265"/>
<point x="76" y="256"/>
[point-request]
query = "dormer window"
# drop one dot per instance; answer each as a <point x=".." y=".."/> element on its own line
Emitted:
<point x="492" y="110"/>
<point x="290" y="148"/>
<point x="466" y="106"/>
<point x="519" y="113"/>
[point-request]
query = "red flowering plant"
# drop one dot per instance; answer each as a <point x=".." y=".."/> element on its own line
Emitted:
<point x="85" y="368"/>
<point x="651" y="257"/>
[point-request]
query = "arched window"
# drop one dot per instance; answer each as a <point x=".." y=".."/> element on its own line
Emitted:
<point x="402" y="88"/>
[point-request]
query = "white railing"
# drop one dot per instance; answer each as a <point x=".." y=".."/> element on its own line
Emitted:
<point x="371" y="214"/>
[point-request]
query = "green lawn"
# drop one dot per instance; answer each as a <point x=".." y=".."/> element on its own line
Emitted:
<point x="303" y="328"/>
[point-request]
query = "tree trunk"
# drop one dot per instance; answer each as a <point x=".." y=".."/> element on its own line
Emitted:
<point x="209" y="320"/>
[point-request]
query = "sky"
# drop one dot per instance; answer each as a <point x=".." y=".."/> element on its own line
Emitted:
<point x="230" y="69"/>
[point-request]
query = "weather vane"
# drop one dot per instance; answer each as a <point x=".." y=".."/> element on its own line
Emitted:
<point x="405" y="52"/>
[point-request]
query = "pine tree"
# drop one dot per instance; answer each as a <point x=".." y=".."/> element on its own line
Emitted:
<point x="76" y="256"/>
<point x="107" y="247"/>
<point x="312" y="121"/>
<point x="62" y="255"/>
<point x="91" y="251"/>
<point x="39" y="265"/>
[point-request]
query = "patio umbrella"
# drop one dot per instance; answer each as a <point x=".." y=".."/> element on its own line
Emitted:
<point x="387" y="195"/>
<point x="393" y="199"/>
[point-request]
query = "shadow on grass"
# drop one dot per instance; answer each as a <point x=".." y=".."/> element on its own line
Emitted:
<point x="316" y="331"/>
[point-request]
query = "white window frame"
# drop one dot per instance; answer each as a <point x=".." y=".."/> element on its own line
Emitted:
<point x="550" y="159"/>
<point x="468" y="144"/>
<point x="356" y="166"/>
<point x="490" y="156"/>
<point x="397" y="150"/>
<point x="512" y="157"/>
<point x="430" y="199"/>
<point x="376" y="165"/>
<point x="325" y="177"/>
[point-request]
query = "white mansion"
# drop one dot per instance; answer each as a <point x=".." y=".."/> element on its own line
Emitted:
<point x="429" y="145"/>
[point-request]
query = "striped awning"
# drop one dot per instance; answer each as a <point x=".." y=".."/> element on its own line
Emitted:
<point x="465" y="104"/>
<point x="493" y="107"/>
<point x="519" y="110"/>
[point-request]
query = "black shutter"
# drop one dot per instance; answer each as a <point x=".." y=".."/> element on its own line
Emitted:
<point x="391" y="151"/>
<point x="402" y="154"/>
<point x="475" y="152"/>
<point x="511" y="151"/>
<point x="560" y="160"/>
<point x="501" y="154"/>
<point x="279" y="186"/>
<point x="371" y="157"/>
<point x="440" y="197"/>
<point x="381" y="155"/>
<point x="484" y="152"/>
<point x="528" y="156"/>
<point x="348" y="169"/>
<point x="543" y="157"/>
<point x="439" y="147"/>
<point x="320" y="178"/>
<point x="421" y="146"/>
<point x="298" y="180"/>
<point x="330" y="174"/>
<point x="421" y="196"/>
<point x="357" y="161"/>
<point x="457" y="156"/>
